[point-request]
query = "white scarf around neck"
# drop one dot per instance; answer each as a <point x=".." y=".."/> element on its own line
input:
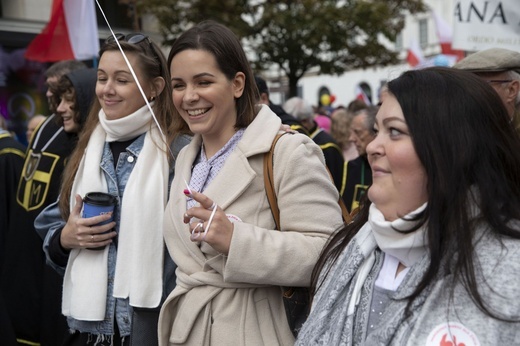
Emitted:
<point x="128" y="127"/>
<point x="139" y="264"/>
<point x="408" y="248"/>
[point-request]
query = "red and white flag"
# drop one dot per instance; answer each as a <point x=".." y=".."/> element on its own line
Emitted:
<point x="70" y="34"/>
<point x="445" y="35"/>
<point x="360" y="95"/>
<point x="415" y="55"/>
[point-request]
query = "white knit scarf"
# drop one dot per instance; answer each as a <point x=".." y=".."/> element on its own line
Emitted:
<point x="139" y="263"/>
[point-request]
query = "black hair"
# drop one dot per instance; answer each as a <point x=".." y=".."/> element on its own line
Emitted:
<point x="462" y="135"/>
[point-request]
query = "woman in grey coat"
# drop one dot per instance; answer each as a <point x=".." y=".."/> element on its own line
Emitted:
<point x="433" y="256"/>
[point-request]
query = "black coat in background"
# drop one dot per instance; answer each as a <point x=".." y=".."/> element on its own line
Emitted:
<point x="31" y="289"/>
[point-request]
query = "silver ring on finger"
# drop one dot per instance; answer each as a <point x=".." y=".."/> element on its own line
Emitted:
<point x="194" y="233"/>
<point x="200" y="225"/>
<point x="212" y="206"/>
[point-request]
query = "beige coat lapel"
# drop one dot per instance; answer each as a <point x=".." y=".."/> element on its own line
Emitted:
<point x="178" y="199"/>
<point x="237" y="174"/>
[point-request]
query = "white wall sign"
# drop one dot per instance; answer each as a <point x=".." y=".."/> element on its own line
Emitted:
<point x="483" y="24"/>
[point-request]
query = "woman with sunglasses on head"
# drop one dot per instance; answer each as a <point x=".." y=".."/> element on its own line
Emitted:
<point x="433" y="257"/>
<point x="115" y="271"/>
<point x="218" y="225"/>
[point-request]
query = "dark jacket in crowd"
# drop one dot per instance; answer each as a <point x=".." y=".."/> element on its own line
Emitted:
<point x="333" y="155"/>
<point x="31" y="290"/>
<point x="288" y="119"/>
<point x="358" y="179"/>
<point x="12" y="155"/>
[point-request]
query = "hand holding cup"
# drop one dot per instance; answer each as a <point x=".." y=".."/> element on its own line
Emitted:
<point x="94" y="230"/>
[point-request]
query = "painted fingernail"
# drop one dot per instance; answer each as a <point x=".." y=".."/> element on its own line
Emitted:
<point x="187" y="188"/>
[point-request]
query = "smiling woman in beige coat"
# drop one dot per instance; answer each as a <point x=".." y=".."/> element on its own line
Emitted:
<point x="219" y="229"/>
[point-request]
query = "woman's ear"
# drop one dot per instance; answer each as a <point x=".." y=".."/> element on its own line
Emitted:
<point x="158" y="84"/>
<point x="239" y="83"/>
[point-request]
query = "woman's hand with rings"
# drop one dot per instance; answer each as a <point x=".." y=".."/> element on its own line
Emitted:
<point x="197" y="231"/>
<point x="85" y="232"/>
<point x="209" y="223"/>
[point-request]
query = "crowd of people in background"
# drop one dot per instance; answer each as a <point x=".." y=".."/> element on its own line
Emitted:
<point x="193" y="252"/>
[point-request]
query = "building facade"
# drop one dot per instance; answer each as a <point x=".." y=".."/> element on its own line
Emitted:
<point x="345" y="87"/>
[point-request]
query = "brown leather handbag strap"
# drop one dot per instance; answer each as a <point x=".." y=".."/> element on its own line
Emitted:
<point x="269" y="181"/>
<point x="347" y="217"/>
<point x="271" y="194"/>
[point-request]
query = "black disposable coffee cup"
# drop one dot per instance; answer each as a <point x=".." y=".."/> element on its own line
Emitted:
<point x="99" y="203"/>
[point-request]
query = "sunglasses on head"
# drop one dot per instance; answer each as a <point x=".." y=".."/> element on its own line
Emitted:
<point x="134" y="38"/>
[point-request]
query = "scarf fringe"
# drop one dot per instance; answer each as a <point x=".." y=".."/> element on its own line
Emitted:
<point x="100" y="339"/>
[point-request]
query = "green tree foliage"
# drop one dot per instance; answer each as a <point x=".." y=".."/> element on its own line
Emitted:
<point x="297" y="35"/>
<point x="176" y="16"/>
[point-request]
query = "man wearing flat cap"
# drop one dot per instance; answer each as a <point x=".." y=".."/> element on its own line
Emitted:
<point x="500" y="68"/>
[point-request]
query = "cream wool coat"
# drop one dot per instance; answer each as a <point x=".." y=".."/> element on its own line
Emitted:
<point x="236" y="300"/>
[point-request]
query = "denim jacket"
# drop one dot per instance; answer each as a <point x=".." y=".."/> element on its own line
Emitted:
<point x="49" y="221"/>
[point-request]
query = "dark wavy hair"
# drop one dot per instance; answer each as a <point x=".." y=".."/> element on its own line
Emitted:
<point x="58" y="70"/>
<point x="225" y="46"/>
<point x="463" y="137"/>
<point x="64" y="89"/>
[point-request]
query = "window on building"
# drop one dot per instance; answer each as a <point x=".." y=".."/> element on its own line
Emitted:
<point x="367" y="90"/>
<point x="322" y="91"/>
<point x="423" y="33"/>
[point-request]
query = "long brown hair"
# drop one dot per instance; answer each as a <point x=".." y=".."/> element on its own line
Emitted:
<point x="152" y="63"/>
